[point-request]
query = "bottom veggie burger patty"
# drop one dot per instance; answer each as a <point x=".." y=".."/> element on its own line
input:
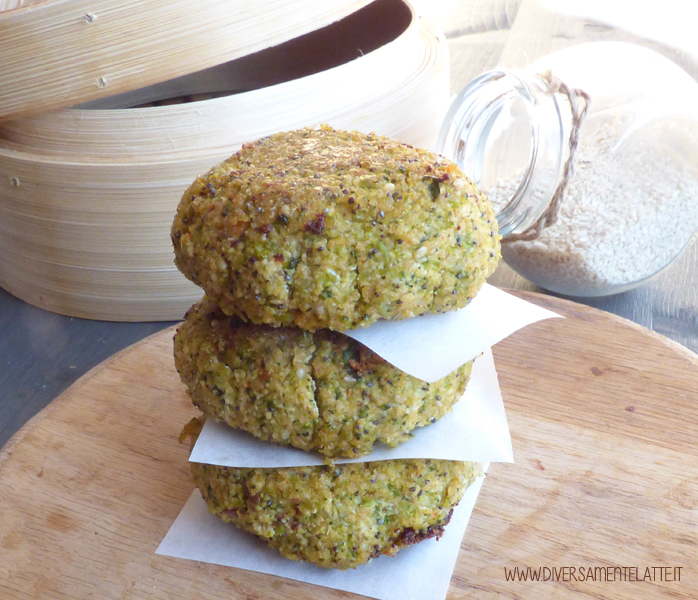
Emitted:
<point x="338" y="516"/>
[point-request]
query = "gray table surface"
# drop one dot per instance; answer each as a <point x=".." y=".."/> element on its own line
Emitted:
<point x="42" y="353"/>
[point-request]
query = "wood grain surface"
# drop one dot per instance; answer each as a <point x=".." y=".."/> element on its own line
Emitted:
<point x="603" y="416"/>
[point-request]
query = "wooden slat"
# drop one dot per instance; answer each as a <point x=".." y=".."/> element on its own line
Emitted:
<point x="59" y="53"/>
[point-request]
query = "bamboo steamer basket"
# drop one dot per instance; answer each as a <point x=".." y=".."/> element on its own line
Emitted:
<point x="87" y="195"/>
<point x="57" y="53"/>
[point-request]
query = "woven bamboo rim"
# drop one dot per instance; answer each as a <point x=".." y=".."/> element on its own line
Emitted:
<point x="87" y="197"/>
<point x="59" y="53"/>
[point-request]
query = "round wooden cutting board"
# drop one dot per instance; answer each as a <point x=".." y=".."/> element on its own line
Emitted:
<point x="604" y="421"/>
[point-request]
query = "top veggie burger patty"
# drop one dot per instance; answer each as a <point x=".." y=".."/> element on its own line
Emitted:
<point x="334" y="229"/>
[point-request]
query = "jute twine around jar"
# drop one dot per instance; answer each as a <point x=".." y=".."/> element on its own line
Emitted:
<point x="579" y="104"/>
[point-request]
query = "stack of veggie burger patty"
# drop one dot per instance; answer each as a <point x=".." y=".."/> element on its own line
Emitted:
<point x="295" y="238"/>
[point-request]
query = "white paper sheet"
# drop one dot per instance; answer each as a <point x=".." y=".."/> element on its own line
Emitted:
<point x="475" y="430"/>
<point x="431" y="346"/>
<point x="419" y="572"/>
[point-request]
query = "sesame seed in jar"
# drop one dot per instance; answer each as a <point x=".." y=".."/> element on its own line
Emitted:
<point x="624" y="216"/>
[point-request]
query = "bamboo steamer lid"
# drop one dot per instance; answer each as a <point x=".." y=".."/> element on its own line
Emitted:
<point x="58" y="53"/>
<point x="87" y="195"/>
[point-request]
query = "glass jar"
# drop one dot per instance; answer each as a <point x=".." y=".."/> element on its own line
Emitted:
<point x="593" y="171"/>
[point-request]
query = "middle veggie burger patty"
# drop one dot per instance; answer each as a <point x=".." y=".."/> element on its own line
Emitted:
<point x="312" y="390"/>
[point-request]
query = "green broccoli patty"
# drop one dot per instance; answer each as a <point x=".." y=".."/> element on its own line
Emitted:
<point x="338" y="516"/>
<point x="334" y="229"/>
<point x="315" y="391"/>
